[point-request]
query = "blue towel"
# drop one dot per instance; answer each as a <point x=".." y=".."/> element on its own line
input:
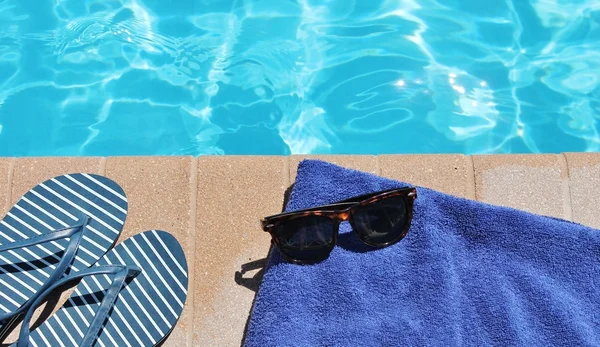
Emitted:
<point x="467" y="273"/>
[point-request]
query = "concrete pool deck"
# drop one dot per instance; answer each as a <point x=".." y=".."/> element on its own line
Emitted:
<point x="212" y="204"/>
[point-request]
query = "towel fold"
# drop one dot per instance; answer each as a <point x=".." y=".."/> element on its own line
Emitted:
<point x="467" y="273"/>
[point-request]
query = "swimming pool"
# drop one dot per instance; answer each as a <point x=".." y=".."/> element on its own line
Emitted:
<point x="146" y="77"/>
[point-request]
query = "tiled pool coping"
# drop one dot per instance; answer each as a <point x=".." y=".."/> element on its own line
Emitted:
<point x="213" y="204"/>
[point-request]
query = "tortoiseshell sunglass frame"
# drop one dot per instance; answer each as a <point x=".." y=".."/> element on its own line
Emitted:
<point x="343" y="211"/>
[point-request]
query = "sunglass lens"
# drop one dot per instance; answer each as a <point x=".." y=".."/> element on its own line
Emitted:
<point x="382" y="222"/>
<point x="306" y="239"/>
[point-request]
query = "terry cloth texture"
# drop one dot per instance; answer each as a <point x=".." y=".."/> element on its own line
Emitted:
<point x="467" y="273"/>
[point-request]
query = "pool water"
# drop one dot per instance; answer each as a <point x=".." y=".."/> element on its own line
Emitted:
<point x="156" y="77"/>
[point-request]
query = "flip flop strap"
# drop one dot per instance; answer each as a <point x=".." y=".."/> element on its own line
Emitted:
<point x="75" y="233"/>
<point x="120" y="272"/>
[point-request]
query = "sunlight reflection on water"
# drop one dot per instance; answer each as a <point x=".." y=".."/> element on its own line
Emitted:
<point x="309" y="76"/>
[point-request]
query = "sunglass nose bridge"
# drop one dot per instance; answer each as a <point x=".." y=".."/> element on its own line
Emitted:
<point x="343" y="216"/>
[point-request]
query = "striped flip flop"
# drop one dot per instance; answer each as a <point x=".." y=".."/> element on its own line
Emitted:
<point x="133" y="296"/>
<point x="59" y="227"/>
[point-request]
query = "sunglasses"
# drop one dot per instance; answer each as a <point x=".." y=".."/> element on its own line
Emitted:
<point x="379" y="219"/>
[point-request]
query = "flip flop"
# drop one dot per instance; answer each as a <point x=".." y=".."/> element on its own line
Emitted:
<point x="61" y="226"/>
<point x="133" y="296"/>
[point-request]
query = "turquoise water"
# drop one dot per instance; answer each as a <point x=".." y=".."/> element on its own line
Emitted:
<point x="142" y="77"/>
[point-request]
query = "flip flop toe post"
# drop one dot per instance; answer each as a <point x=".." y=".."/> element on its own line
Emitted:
<point x="133" y="296"/>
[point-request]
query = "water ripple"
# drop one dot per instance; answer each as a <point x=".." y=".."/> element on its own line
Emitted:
<point x="298" y="76"/>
